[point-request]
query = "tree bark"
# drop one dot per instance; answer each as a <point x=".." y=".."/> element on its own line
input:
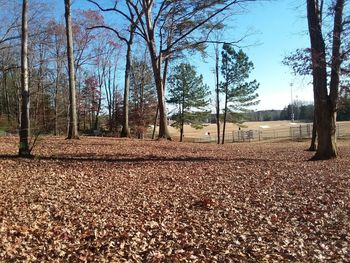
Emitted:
<point x="125" y="130"/>
<point x="157" y="72"/>
<point x="182" y="114"/>
<point x="157" y="61"/>
<point x="217" y="93"/>
<point x="24" y="150"/>
<point x="325" y="104"/>
<point x="155" y="123"/>
<point x="58" y="75"/>
<point x="225" y="115"/>
<point x="73" y="119"/>
<point x="313" y="147"/>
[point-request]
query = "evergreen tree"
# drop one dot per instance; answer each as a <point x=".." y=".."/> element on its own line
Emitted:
<point x="189" y="94"/>
<point x="239" y="94"/>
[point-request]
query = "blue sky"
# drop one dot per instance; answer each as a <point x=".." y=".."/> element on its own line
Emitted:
<point x="275" y="29"/>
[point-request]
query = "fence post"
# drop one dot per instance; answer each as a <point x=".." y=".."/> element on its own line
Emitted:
<point x="233" y="136"/>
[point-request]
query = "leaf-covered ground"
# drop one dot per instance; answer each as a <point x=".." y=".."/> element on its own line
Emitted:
<point x="113" y="200"/>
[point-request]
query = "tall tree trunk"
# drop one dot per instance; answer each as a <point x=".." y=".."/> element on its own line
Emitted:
<point x="73" y="119"/>
<point x="217" y="91"/>
<point x="40" y="122"/>
<point x="155" y="123"/>
<point x="163" y="122"/>
<point x="125" y="130"/>
<point x="157" y="72"/>
<point x="182" y="114"/>
<point x="109" y="95"/>
<point x="225" y="115"/>
<point x="58" y="79"/>
<point x="142" y="102"/>
<point x="25" y="121"/>
<point x="7" y="98"/>
<point x="325" y="104"/>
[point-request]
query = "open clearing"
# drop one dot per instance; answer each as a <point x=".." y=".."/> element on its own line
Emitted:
<point x="114" y="200"/>
<point x="190" y="132"/>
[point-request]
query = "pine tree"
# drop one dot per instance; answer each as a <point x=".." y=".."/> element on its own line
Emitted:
<point x="239" y="94"/>
<point x="190" y="95"/>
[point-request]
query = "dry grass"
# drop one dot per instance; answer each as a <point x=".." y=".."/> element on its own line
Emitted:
<point x="113" y="200"/>
<point x="271" y="129"/>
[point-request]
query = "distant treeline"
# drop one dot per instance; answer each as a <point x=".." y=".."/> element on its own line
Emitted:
<point x="301" y="111"/>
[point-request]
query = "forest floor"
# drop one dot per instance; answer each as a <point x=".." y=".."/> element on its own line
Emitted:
<point x="115" y="200"/>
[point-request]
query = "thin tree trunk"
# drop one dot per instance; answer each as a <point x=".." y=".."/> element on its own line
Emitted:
<point x="181" y="130"/>
<point x="225" y="116"/>
<point x="114" y="101"/>
<point x="7" y="98"/>
<point x="155" y="123"/>
<point x="217" y="94"/>
<point x="125" y="130"/>
<point x="73" y="120"/>
<point x="58" y="74"/>
<point x="142" y="102"/>
<point x="25" y="122"/>
<point x="182" y="120"/>
<point x="108" y="91"/>
<point x="40" y="104"/>
<point x="99" y="104"/>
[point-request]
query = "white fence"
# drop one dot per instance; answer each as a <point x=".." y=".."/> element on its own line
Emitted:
<point x="297" y="132"/>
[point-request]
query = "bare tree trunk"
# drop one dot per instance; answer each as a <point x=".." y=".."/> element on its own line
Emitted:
<point x="155" y="123"/>
<point x="73" y="120"/>
<point x="163" y="122"/>
<point x="225" y="115"/>
<point x="325" y="104"/>
<point x="25" y="121"/>
<point x="182" y="114"/>
<point x="181" y="130"/>
<point x="142" y="102"/>
<point x="99" y="103"/>
<point x="125" y="130"/>
<point x="217" y="91"/>
<point x="108" y="91"/>
<point x="157" y="62"/>
<point x="58" y="79"/>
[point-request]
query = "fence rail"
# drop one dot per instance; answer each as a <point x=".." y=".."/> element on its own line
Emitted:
<point x="297" y="132"/>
